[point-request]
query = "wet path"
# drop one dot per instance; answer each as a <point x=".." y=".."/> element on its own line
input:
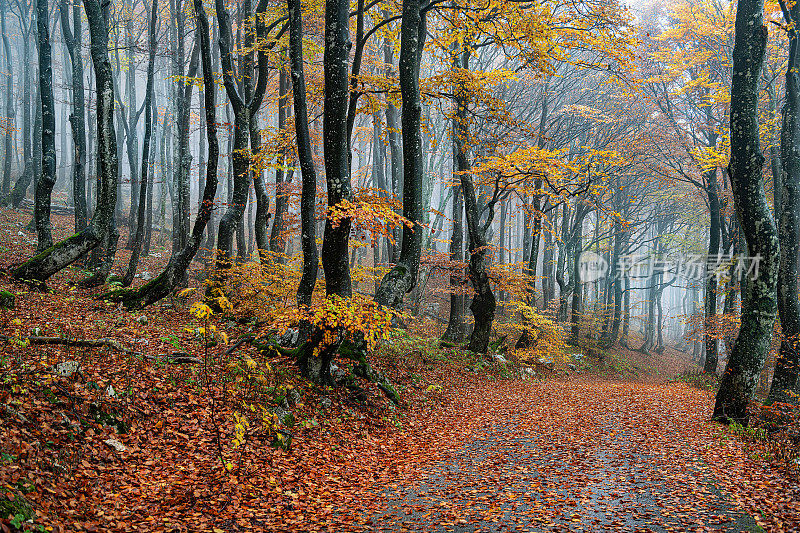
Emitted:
<point x="601" y="457"/>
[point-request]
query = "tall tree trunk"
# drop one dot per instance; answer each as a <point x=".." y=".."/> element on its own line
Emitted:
<point x="53" y="259"/>
<point x="395" y="150"/>
<point x="276" y="241"/>
<point x="760" y="303"/>
<point x="73" y="39"/>
<point x="45" y="182"/>
<point x="132" y="138"/>
<point x="23" y="182"/>
<point x="575" y="281"/>
<point x="9" y="103"/>
<point x="403" y="275"/>
<point x="148" y="127"/>
<point x="455" y="326"/>
<point x="183" y="159"/>
<point x="715" y="228"/>
<point x="785" y="379"/>
<point x="175" y="271"/>
<point x="337" y="146"/>
<point x="308" y="241"/>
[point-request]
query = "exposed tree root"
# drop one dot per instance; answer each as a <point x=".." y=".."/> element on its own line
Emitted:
<point x="317" y="366"/>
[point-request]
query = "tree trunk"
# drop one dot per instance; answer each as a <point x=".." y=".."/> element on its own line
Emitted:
<point x="395" y="150"/>
<point x="277" y="243"/>
<point x="337" y="146"/>
<point x="403" y="275"/>
<point x="308" y="237"/>
<point x="785" y="380"/>
<point x="148" y="127"/>
<point x="23" y="182"/>
<point x="132" y="144"/>
<point x="45" y="182"/>
<point x="183" y="157"/>
<point x="760" y="303"/>
<point x="77" y="119"/>
<point x="456" y="329"/>
<point x="53" y="259"/>
<point x="7" y="146"/>
<point x="711" y="341"/>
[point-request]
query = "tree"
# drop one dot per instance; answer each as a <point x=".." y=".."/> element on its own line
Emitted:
<point x="308" y="241"/>
<point x="45" y="182"/>
<point x="759" y="306"/>
<point x="403" y="276"/>
<point x="77" y="119"/>
<point x="9" y="103"/>
<point x="148" y="127"/>
<point x="46" y="263"/>
<point x="785" y="378"/>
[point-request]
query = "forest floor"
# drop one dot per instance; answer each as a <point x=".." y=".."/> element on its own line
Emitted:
<point x="132" y="442"/>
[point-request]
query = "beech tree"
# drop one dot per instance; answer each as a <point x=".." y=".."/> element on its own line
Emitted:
<point x="759" y="306"/>
<point x="49" y="261"/>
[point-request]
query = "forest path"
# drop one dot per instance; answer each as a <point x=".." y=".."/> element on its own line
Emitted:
<point x="578" y="456"/>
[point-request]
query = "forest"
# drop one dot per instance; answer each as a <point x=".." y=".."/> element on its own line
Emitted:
<point x="399" y="265"/>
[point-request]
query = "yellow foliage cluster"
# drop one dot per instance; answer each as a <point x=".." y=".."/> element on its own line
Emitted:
<point x="370" y="214"/>
<point x="341" y="319"/>
<point x="549" y="339"/>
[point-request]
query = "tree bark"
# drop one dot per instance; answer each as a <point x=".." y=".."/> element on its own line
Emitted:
<point x="77" y="119"/>
<point x="403" y="275"/>
<point x="22" y="184"/>
<point x="277" y="243"/>
<point x="175" y="271"/>
<point x="785" y="379"/>
<point x="148" y="127"/>
<point x="711" y="341"/>
<point x="337" y="146"/>
<point x="455" y="326"/>
<point x="45" y="264"/>
<point x="308" y="238"/>
<point x="7" y="145"/>
<point x="45" y="182"/>
<point x="759" y="307"/>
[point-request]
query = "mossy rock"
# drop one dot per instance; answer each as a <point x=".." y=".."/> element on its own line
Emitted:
<point x="14" y="506"/>
<point x="7" y="299"/>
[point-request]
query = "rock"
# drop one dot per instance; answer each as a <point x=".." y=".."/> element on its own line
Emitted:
<point x="289" y="338"/>
<point x="146" y="276"/>
<point x="141" y="319"/>
<point x="7" y="300"/>
<point x="528" y="371"/>
<point x="497" y="358"/>
<point x="338" y="374"/>
<point x="544" y="362"/>
<point x="66" y="369"/>
<point x="283" y="416"/>
<point x="294" y="396"/>
<point x="325" y="403"/>
<point x="110" y="392"/>
<point x="116" y="445"/>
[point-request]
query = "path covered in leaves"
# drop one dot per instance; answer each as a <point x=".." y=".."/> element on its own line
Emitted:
<point x="579" y="456"/>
